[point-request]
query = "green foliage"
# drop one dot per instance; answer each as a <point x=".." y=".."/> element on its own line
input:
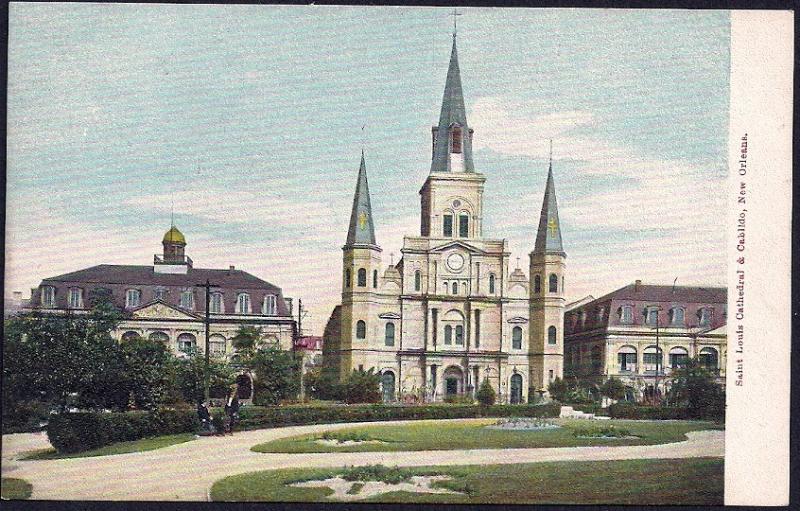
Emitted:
<point x="695" y="388"/>
<point x="626" y="410"/>
<point x="613" y="388"/>
<point x="246" y="342"/>
<point x="25" y="417"/>
<point x="277" y="375"/>
<point x="600" y="431"/>
<point x="486" y="395"/>
<point x="459" y="399"/>
<point x="346" y="436"/>
<point x="188" y="377"/>
<point x="388" y="475"/>
<point x="15" y="489"/>
<point x="361" y="387"/>
<point x="558" y="389"/>
<point x="75" y="432"/>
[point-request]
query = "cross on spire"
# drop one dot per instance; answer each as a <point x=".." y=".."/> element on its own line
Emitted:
<point x="363" y="139"/>
<point x="172" y="212"/>
<point x="455" y="24"/>
<point x="551" y="153"/>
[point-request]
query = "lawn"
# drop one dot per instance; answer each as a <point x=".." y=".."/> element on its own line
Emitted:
<point x="694" y="481"/>
<point x="439" y="435"/>
<point x="144" y="444"/>
<point x="14" y="489"/>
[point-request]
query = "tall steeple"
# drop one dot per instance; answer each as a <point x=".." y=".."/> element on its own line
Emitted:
<point x="548" y="237"/>
<point x="452" y="138"/>
<point x="362" y="229"/>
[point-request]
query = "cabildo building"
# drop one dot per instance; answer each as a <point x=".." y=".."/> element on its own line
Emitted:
<point x="450" y="314"/>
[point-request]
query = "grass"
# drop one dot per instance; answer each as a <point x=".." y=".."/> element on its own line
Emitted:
<point x="438" y="435"/>
<point x="15" y="489"/>
<point x="694" y="481"/>
<point x="347" y="436"/>
<point x="610" y="431"/>
<point x="144" y="444"/>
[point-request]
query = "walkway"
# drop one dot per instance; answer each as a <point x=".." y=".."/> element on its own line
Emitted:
<point x="187" y="471"/>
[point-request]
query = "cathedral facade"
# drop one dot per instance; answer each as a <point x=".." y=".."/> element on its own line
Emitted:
<point x="450" y="314"/>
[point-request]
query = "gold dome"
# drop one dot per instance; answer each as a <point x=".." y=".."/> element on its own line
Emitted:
<point x="173" y="235"/>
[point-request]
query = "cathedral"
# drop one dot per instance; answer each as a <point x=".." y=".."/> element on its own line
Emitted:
<point x="449" y="314"/>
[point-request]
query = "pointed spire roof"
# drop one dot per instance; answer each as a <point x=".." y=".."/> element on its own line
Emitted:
<point x="362" y="229"/>
<point x="548" y="238"/>
<point x="453" y="112"/>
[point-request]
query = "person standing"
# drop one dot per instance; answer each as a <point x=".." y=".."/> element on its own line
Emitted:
<point x="232" y="409"/>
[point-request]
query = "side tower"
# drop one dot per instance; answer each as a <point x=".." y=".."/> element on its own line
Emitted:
<point x="361" y="261"/>
<point x="547" y="280"/>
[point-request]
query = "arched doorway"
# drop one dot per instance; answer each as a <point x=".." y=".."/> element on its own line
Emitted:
<point x="245" y="387"/>
<point x="387" y="386"/>
<point x="516" y="389"/>
<point x="453" y="381"/>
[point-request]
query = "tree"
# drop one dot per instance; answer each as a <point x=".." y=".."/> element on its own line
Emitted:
<point x="485" y="395"/>
<point x="277" y="375"/>
<point x="361" y="387"/>
<point x="695" y="387"/>
<point x="246" y="341"/>
<point x="187" y="377"/>
<point x="613" y="388"/>
<point x="558" y="389"/>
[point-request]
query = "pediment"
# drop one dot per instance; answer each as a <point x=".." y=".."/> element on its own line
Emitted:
<point x="517" y="320"/>
<point x="389" y="315"/>
<point x="161" y="310"/>
<point x="458" y="244"/>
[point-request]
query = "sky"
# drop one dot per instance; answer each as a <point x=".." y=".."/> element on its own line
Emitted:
<point x="247" y="120"/>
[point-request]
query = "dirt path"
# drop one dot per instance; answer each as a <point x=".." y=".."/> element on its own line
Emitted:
<point x="187" y="471"/>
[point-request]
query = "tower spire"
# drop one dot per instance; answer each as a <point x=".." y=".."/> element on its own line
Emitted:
<point x="362" y="229"/>
<point x="452" y="146"/>
<point x="548" y="237"/>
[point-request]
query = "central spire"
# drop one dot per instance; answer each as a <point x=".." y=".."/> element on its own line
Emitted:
<point x="452" y="138"/>
<point x="362" y="229"/>
<point x="548" y="237"/>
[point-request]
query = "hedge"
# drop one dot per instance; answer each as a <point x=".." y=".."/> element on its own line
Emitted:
<point x="74" y="432"/>
<point x="632" y="411"/>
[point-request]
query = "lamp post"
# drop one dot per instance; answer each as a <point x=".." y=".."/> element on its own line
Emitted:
<point x="207" y="321"/>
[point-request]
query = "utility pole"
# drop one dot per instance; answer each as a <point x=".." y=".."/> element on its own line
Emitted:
<point x="207" y="285"/>
<point x="302" y="354"/>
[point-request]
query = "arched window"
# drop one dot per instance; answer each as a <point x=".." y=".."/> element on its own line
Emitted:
<point x="708" y="358"/>
<point x="186" y="342"/>
<point x="217" y="344"/>
<point x="553" y="283"/>
<point x="456" y="141"/>
<point x="447" y="226"/>
<point x="389" y="338"/>
<point x="159" y="337"/>
<point x="455" y="288"/>
<point x="459" y="334"/>
<point x="362" y="277"/>
<point x="448" y="334"/>
<point x="676" y="316"/>
<point x="130" y="336"/>
<point x="270" y="306"/>
<point x="347" y="278"/>
<point x="75" y="298"/>
<point x="537" y="284"/>
<point x="243" y="303"/>
<point x="551" y="335"/>
<point x="217" y="304"/>
<point x="653" y="358"/>
<point x="417" y="280"/>
<point x="678" y="357"/>
<point x="491" y="283"/>
<point x="626" y="357"/>
<point x="625" y="314"/>
<point x="704" y="316"/>
<point x="48" y="296"/>
<point x="133" y="297"/>
<point x="187" y="299"/>
<point x="516" y="338"/>
<point x="375" y="279"/>
<point x="463" y="226"/>
<point x="361" y="330"/>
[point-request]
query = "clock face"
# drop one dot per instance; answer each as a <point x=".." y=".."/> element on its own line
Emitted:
<point x="455" y="262"/>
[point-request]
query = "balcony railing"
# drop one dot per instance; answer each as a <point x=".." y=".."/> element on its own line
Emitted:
<point x="160" y="259"/>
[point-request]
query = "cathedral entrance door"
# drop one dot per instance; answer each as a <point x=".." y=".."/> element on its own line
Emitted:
<point x="387" y="385"/>
<point x="516" y="389"/>
<point x="451" y="386"/>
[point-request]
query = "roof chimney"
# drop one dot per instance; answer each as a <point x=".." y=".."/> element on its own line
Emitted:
<point x="637" y="285"/>
<point x="231" y="267"/>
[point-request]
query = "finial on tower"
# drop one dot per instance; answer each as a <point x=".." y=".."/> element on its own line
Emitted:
<point x="455" y="24"/>
<point x="363" y="139"/>
<point x="551" y="153"/>
<point x="172" y="212"/>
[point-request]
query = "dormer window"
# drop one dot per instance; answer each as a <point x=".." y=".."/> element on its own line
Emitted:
<point x="625" y="314"/>
<point x="243" y="303"/>
<point x="704" y="316"/>
<point x="270" y="305"/>
<point x="48" y="296"/>
<point x="160" y="293"/>
<point x="75" y="298"/>
<point x="217" y="303"/>
<point x="133" y="297"/>
<point x="187" y="300"/>
<point x="676" y="316"/>
<point x="456" y="140"/>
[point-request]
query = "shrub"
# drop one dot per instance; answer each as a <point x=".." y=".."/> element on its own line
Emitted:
<point x="632" y="411"/>
<point x="361" y="387"/>
<point x="600" y="431"/>
<point x="75" y="432"/>
<point x="459" y="399"/>
<point x="485" y="394"/>
<point x="388" y="475"/>
<point x="613" y="388"/>
<point x="558" y="389"/>
<point x="25" y="417"/>
<point x="346" y="436"/>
